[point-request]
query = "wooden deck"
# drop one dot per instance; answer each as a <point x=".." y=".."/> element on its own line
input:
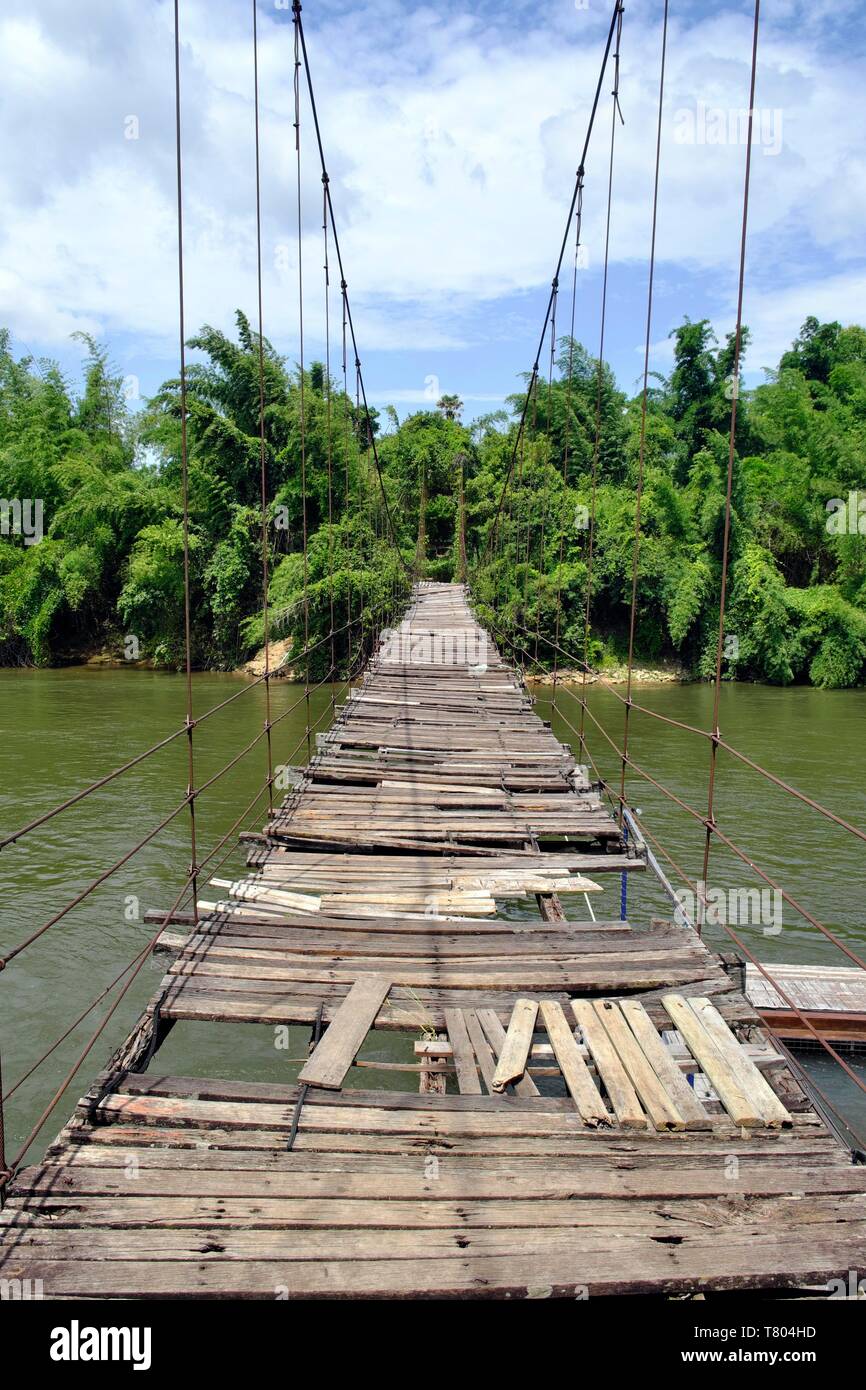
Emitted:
<point x="616" y="1120"/>
<point x="832" y="998"/>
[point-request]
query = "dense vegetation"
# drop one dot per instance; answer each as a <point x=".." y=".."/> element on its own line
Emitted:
<point x="110" y="564"/>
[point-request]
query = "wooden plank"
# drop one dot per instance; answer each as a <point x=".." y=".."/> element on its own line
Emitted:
<point x="655" y="1099"/>
<point x="664" y="1065"/>
<point x="753" y="1085"/>
<point x="575" y="1072"/>
<point x="514" y="1054"/>
<point x="620" y="1090"/>
<point x="624" y="1265"/>
<point x="481" y="1047"/>
<point x="464" y="1057"/>
<point x="490" y="1022"/>
<point x="337" y="1050"/>
<point x="723" y="1080"/>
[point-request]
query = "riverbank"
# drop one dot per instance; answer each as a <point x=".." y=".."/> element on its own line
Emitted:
<point x="615" y="675"/>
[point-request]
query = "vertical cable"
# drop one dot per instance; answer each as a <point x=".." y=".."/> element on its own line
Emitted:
<point x="545" y="504"/>
<point x="5" y="1171"/>
<point x="348" y="527"/>
<point x="330" y="442"/>
<point x="615" y="111"/>
<point x="643" y="420"/>
<point x="184" y="454"/>
<point x="578" y="216"/>
<point x="262" y="451"/>
<point x="296" y="12"/>
<point x="716" y="734"/>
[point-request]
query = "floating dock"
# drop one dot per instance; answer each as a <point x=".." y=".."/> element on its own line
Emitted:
<point x="832" y="998"/>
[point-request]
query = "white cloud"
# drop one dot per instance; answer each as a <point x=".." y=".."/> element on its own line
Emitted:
<point x="451" y="141"/>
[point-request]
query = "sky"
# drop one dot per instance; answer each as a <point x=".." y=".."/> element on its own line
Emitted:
<point x="452" y="134"/>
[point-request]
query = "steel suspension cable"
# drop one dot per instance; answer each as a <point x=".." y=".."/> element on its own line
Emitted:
<point x="184" y="450"/>
<point x="578" y="217"/>
<point x="146" y="839"/>
<point x="596" y="450"/>
<point x="732" y="437"/>
<point x="362" y="391"/>
<point x="643" y="411"/>
<point x="329" y="429"/>
<point x="134" y="965"/>
<point x="615" y="25"/>
<point x="301" y="384"/>
<point x="699" y="894"/>
<point x="707" y="734"/>
<point x="263" y="467"/>
<point x="346" y="453"/>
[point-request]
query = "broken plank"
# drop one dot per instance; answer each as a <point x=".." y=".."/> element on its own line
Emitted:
<point x="518" y="1040"/>
<point x="490" y="1022"/>
<point x="665" y="1065"/>
<point x="753" y="1085"/>
<point x="351" y="1023"/>
<point x="464" y="1057"/>
<point x="658" y="1104"/>
<point x="575" y="1072"/>
<point x="622" y="1094"/>
<point x="741" y="1109"/>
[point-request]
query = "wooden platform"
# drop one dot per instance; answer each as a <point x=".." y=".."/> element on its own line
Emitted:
<point x="615" y="1119"/>
<point x="833" y="999"/>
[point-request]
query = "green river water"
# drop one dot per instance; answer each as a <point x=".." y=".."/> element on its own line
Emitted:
<point x="63" y="729"/>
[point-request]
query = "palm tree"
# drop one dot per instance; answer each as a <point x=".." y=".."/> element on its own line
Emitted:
<point x="450" y="406"/>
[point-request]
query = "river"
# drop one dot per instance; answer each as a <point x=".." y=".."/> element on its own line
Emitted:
<point x="63" y="729"/>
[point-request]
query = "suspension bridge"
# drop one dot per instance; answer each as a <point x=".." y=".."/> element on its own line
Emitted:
<point x="587" y="1104"/>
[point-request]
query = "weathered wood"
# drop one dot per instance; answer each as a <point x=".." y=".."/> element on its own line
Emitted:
<point x="749" y="1079"/>
<point x="655" y="1099"/>
<point x="437" y="796"/>
<point x="514" y="1054"/>
<point x="575" y="1073"/>
<point x="336" y="1052"/>
<point x="666" y="1069"/>
<point x="481" y="1047"/>
<point x="622" y="1095"/>
<point x="495" y="1034"/>
<point x="464" y="1056"/>
<point x="742" y="1110"/>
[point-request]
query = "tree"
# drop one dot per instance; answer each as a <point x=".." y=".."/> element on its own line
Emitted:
<point x="451" y="407"/>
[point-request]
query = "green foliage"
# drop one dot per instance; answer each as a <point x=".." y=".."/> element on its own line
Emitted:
<point x="515" y="504"/>
<point x="796" y="594"/>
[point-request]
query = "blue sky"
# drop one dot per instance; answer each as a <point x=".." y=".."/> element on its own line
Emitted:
<point x="452" y="134"/>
